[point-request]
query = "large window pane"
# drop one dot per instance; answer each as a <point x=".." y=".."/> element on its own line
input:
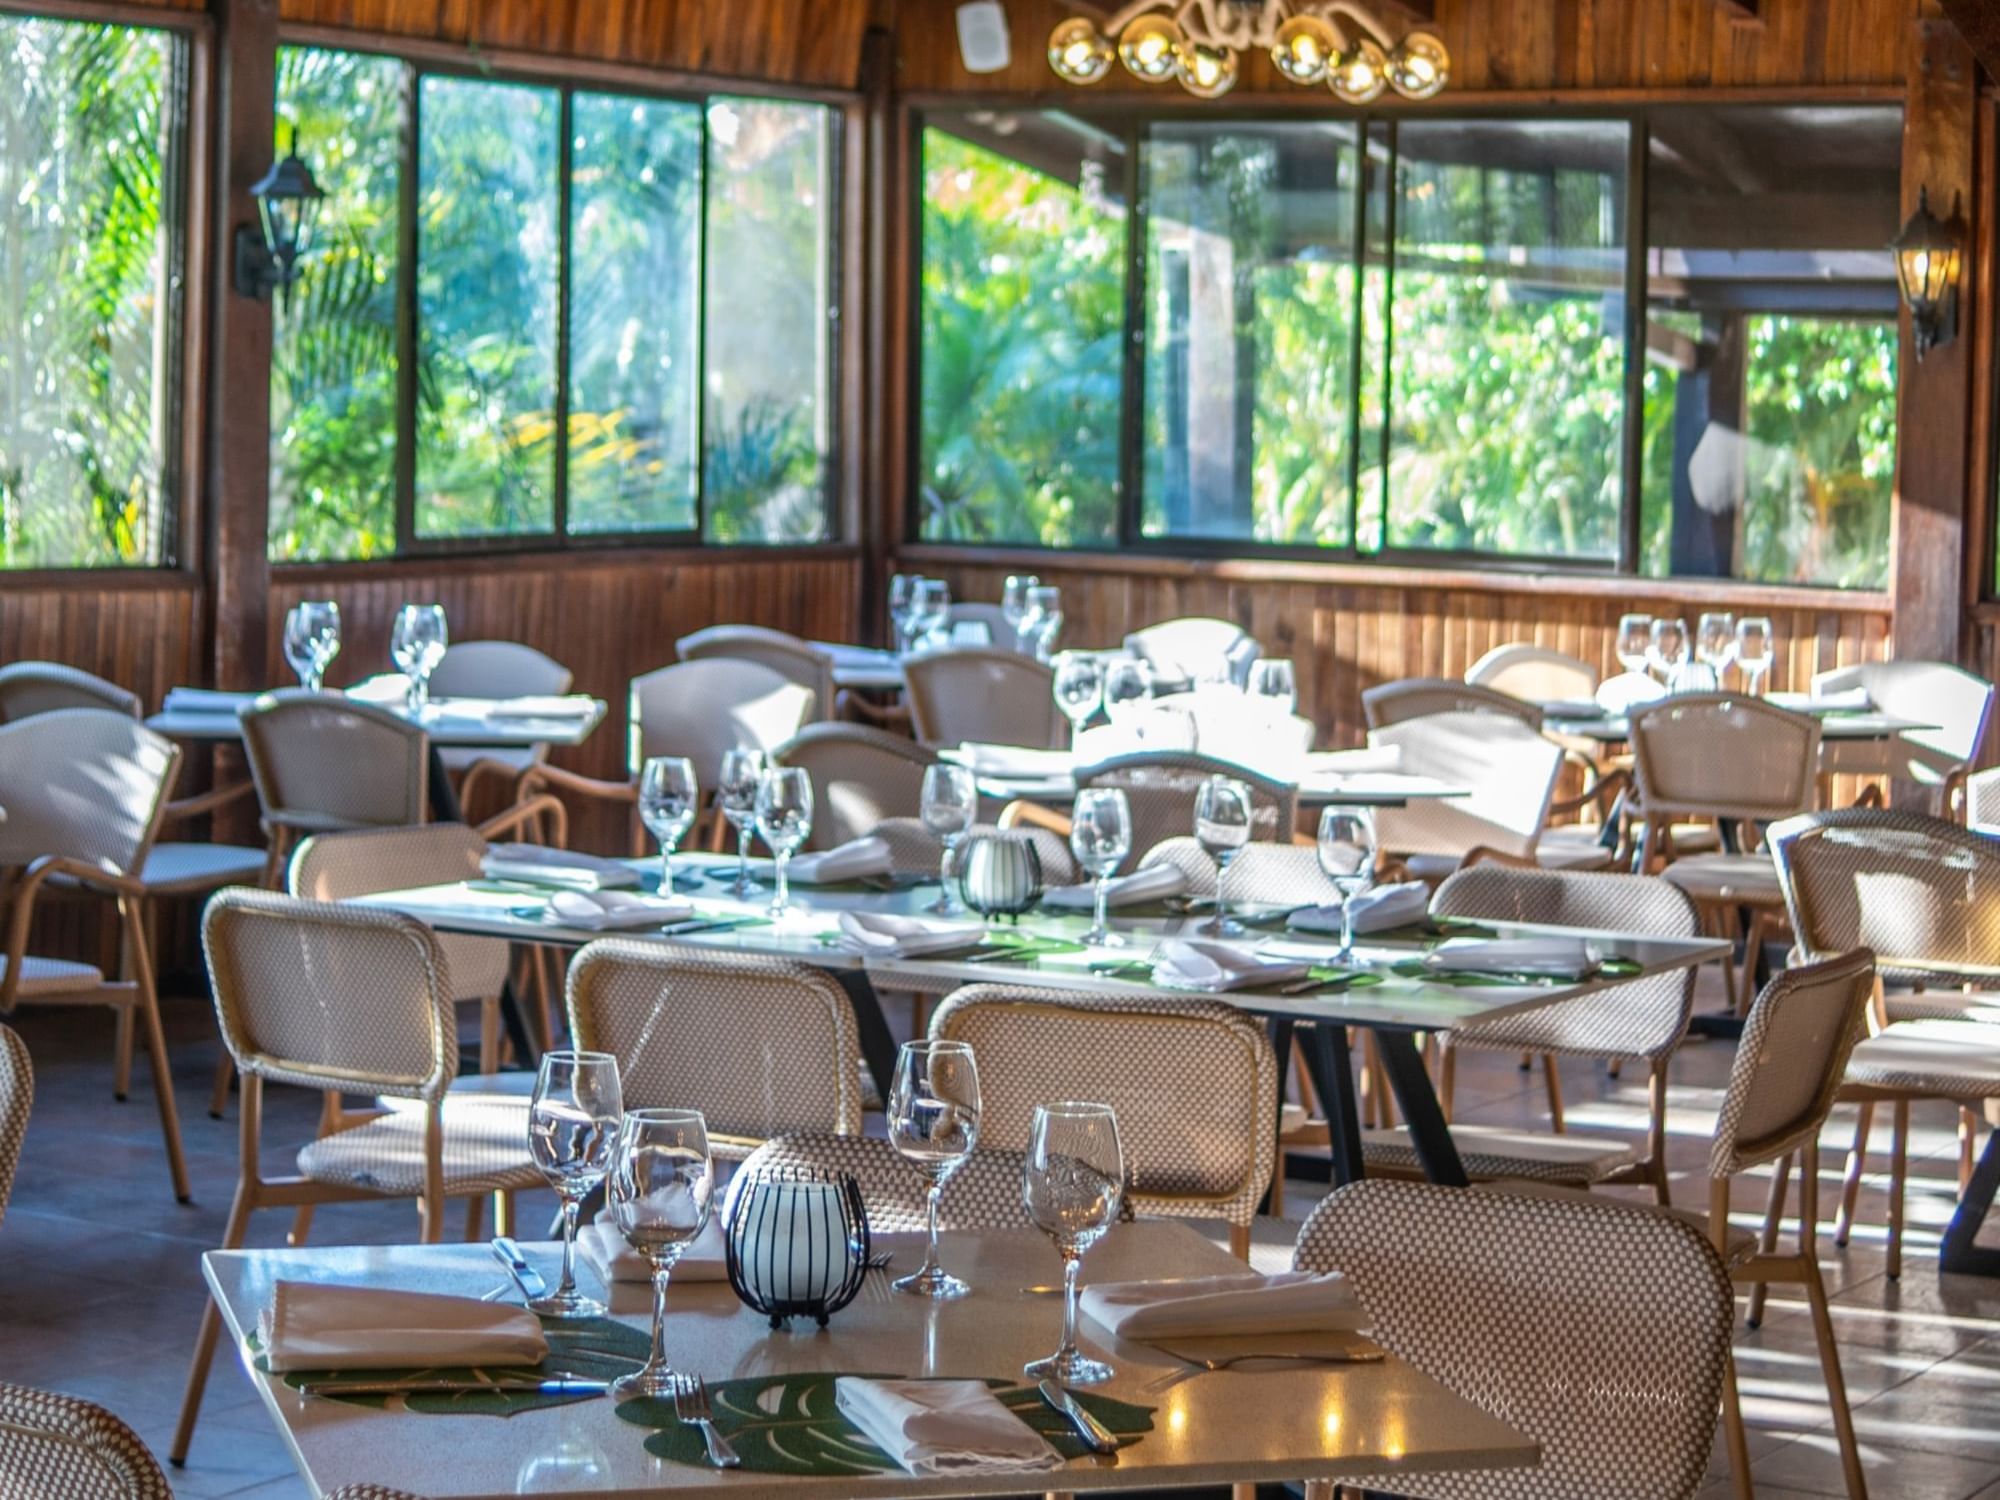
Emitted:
<point x="1022" y="315"/>
<point x="1770" y="444"/>
<point x="1250" y="301"/>
<point x="333" y="355"/>
<point x="635" y="314"/>
<point x="89" y="292"/>
<point x="768" y="409"/>
<point x="486" y="308"/>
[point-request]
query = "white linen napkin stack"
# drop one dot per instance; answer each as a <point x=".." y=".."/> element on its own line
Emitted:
<point x="879" y="936"/>
<point x="1224" y="1306"/>
<point x="615" y="911"/>
<point x="614" y="1260"/>
<point x="1195" y="964"/>
<point x="857" y="859"/>
<point x="1381" y="909"/>
<point x="1154" y="883"/>
<point x="312" y="1326"/>
<point x="535" y="864"/>
<point x="1539" y="958"/>
<point x="940" y="1427"/>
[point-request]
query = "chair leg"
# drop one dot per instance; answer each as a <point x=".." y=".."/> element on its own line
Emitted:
<point x="1836" y="1385"/>
<point x="475" y="1218"/>
<point x="302" y="1223"/>
<point x="1553" y="1078"/>
<point x="1447" y="1076"/>
<point x="121" y="1061"/>
<point x="1319" y="1489"/>
<point x="1656" y="1131"/>
<point x="163" y="1077"/>
<point x="1759" y="924"/>
<point x="503" y="1213"/>
<point x="1850" y="1182"/>
<point x="1774" y="1213"/>
<point x="1968" y="1140"/>
<point x="211" y="1327"/>
<point x="218" y="1092"/>
<point x="1732" y="1430"/>
<point x="1899" y="1172"/>
<point x="1239" y="1241"/>
<point x="489" y="1034"/>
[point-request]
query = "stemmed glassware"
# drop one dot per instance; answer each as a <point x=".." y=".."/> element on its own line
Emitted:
<point x="1635" y="642"/>
<point x="662" y="1194"/>
<point x="1273" y="682"/>
<point x="934" y="1124"/>
<point x="1714" y="646"/>
<point x="784" y="820"/>
<point x="1072" y="1185"/>
<point x="312" y="640"/>
<point x="1347" y="857"/>
<point x="930" y="611"/>
<point x="1042" y="623"/>
<point x="1128" y="687"/>
<point x="573" y="1119"/>
<point x="416" y="644"/>
<point x="1079" y="689"/>
<point x="1222" y="827"/>
<point x="1753" y="649"/>
<point x="1100" y="836"/>
<point x="902" y="603"/>
<point x="1668" y="650"/>
<point x="1014" y="604"/>
<point x="668" y="802"/>
<point x="741" y="773"/>
<point x="949" y="806"/>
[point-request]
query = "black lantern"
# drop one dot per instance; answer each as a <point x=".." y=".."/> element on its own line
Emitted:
<point x="1928" y="252"/>
<point x="287" y="204"/>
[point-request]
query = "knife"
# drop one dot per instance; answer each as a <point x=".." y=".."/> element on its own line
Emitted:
<point x="1092" y="1431"/>
<point x="563" y="1387"/>
<point x="526" y="1277"/>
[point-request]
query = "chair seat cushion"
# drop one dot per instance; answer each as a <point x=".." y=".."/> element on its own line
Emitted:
<point x="1573" y="846"/>
<point x="1943" y="1059"/>
<point x="190" y="869"/>
<point x="1749" y="879"/>
<point x="1489" y="1152"/>
<point x="1943" y="1005"/>
<point x="55" y="979"/>
<point x="485" y="1148"/>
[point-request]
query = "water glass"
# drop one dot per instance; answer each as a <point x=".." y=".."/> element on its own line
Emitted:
<point x="668" y="802"/>
<point x="1347" y="857"/>
<point x="1222" y="816"/>
<point x="573" y="1119"/>
<point x="1072" y="1185"/>
<point x="1635" y="642"/>
<point x="1715" y="641"/>
<point x="949" y="807"/>
<point x="784" y="820"/>
<point x="1273" y="682"/>
<point x="902" y="604"/>
<point x="662" y="1192"/>
<point x="1043" y="622"/>
<point x="312" y="640"/>
<point x="1100" y="836"/>
<point x="1079" y="689"/>
<point x="934" y="1124"/>
<point x="1668" y="648"/>
<point x="930" y="613"/>
<point x="1014" y="602"/>
<point x="1753" y="649"/>
<point x="416" y="645"/>
<point x="741" y="772"/>
<point x="1128" y="688"/>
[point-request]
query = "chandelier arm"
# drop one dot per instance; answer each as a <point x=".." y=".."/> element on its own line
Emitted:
<point x="1360" y="16"/>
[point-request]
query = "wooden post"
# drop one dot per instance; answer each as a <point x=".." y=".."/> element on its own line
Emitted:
<point x="874" y="201"/>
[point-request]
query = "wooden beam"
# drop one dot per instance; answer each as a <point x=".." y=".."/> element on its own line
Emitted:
<point x="1978" y="21"/>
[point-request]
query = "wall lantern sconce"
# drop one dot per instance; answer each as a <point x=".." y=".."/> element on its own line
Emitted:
<point x="1928" y="254"/>
<point x="268" y="253"/>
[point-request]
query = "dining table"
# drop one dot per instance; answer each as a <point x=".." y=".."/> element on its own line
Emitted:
<point x="1276" y="1421"/>
<point x="1324" y="779"/>
<point x="207" y="716"/>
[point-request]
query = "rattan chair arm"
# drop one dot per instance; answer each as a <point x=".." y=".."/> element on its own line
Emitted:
<point x="526" y="811"/>
<point x="209" y="801"/>
<point x="1484" y="854"/>
<point x="1599" y="791"/>
<point x="1024" y="814"/>
<point x="555" y="777"/>
<point x="1955" y="804"/>
<point x="849" y="705"/>
<point x="19" y="895"/>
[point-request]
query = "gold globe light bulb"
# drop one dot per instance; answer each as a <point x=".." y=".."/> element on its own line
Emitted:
<point x="1419" y="66"/>
<point x="1360" y="72"/>
<point x="1207" y="72"/>
<point x="1151" y="48"/>
<point x="1304" y="48"/>
<point x="1079" y="53"/>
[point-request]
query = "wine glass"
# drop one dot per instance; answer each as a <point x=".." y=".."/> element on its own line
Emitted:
<point x="1753" y="649"/>
<point x="902" y="601"/>
<point x="1043" y="621"/>
<point x="1273" y="682"/>
<point x="1715" y="641"/>
<point x="1635" y="642"/>
<point x="299" y="646"/>
<point x="662" y="1193"/>
<point x="1072" y="1184"/>
<point x="1014" y="602"/>
<point x="1100" y="836"/>
<point x="1222" y="828"/>
<point x="736" y="794"/>
<point x="1668" y="648"/>
<point x="573" y="1119"/>
<point x="668" y="802"/>
<point x="949" y="806"/>
<point x="934" y="1124"/>
<point x="1079" y="689"/>
<point x="1347" y="856"/>
<point x="1128" y="688"/>
<point x="416" y="644"/>
<point x="930" y="612"/>
<point x="319" y="635"/>
<point x="784" y="819"/>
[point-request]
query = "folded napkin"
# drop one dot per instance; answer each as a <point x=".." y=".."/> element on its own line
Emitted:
<point x="1192" y="964"/>
<point x="1223" y="1306"/>
<point x="537" y="865"/>
<point x="615" y="911"/>
<point x="879" y="936"/>
<point x="1572" y="708"/>
<point x="1539" y="957"/>
<point x="1154" y="883"/>
<point x="1348" y="762"/>
<point x="614" y="1260"/>
<point x="1626" y="691"/>
<point x="191" y="700"/>
<point x="567" y="706"/>
<point x="857" y="859"/>
<point x="310" y="1326"/>
<point x="1376" y="910"/>
<point x="384" y="689"/>
<point x="934" y="1427"/>
<point x="1845" y="701"/>
<point x="1015" y="760"/>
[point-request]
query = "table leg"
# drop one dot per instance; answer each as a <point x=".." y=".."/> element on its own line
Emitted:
<point x="514" y="1016"/>
<point x="1422" y="1113"/>
<point x="1958" y="1254"/>
<point x="878" y="1045"/>
<point x="444" y="800"/>
<point x="1281" y="1047"/>
<point x="1332" y="1074"/>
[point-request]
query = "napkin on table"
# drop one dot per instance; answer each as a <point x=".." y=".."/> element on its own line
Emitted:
<point x="1015" y="760"/>
<point x="936" y="1427"/>
<point x="1191" y="963"/>
<point x="537" y="865"/>
<point x="192" y="700"/>
<point x="1375" y="758"/>
<point x="1841" y="701"/>
<point x="1627" y="691"/>
<point x="857" y="859"/>
<point x="881" y="936"/>
<point x="605" y="1248"/>
<point x="1154" y="883"/>
<point x="312" y="1326"/>
<point x="615" y="911"/>
<point x="1221" y="1306"/>
<point x="1538" y="957"/>
<point x="1379" y="909"/>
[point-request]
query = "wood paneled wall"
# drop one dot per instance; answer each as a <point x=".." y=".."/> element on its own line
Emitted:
<point x="142" y="632"/>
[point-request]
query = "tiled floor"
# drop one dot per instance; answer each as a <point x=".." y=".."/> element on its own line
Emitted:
<point x="100" y="1290"/>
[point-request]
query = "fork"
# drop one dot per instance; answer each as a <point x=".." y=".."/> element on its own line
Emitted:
<point x="691" y="1405"/>
<point x="1354" y="1356"/>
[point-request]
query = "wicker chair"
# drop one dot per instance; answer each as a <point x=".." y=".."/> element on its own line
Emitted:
<point x="1194" y="1083"/>
<point x="860" y="776"/>
<point x="999" y="634"/>
<point x="1927" y="692"/>
<point x="17" y="1095"/>
<point x="1535" y="673"/>
<point x="370" y="1492"/>
<point x="1177" y="649"/>
<point x="495" y="669"/>
<point x="1161" y="785"/>
<point x="983" y="1194"/>
<point x="795" y="660"/>
<point x="1509" y="770"/>
<point x="345" y="999"/>
<point x="1598" y="1329"/>
<point x="1419" y="697"/>
<point x="1262" y="874"/>
<point x="28" y="688"/>
<point x="56" y="1447"/>
<point x="324" y="763"/>
<point x="987" y="696"/>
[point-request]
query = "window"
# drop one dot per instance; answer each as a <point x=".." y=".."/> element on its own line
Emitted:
<point x="92" y="152"/>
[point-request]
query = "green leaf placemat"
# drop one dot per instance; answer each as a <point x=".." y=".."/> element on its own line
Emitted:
<point x="789" y="1424"/>
<point x="1009" y="945"/>
<point x="1416" y="968"/>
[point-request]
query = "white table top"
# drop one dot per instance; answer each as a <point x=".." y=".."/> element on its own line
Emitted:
<point x="1272" y="1423"/>
<point x="444" y="726"/>
<point x="1615" y="729"/>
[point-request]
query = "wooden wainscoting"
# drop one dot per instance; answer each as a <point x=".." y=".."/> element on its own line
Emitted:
<point x="139" y="630"/>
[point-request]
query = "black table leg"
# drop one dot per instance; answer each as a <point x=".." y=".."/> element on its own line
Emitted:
<point x="1332" y="1075"/>
<point x="1418" y="1100"/>
<point x="1958" y="1254"/>
<point x="1281" y="1047"/>
<point x="878" y="1045"/>
<point x="514" y="1016"/>
<point x="444" y="799"/>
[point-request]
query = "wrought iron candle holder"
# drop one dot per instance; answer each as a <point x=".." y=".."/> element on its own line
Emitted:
<point x="795" y="1243"/>
<point x="1000" y="875"/>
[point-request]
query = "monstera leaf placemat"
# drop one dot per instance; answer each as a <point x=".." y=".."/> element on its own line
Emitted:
<point x="1466" y="979"/>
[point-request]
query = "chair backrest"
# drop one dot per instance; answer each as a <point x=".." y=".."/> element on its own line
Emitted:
<point x="17" y="1096"/>
<point x="59" y="1446"/>
<point x="1599" y="1329"/>
<point x="1161" y="787"/>
<point x="1927" y="692"/>
<point x="758" y="1045"/>
<point x="1418" y="697"/>
<point x="1274" y="874"/>
<point x="860" y="776"/>
<point x="793" y="659"/>
<point x="323" y="762"/>
<point x="999" y="634"/>
<point x="330" y="996"/>
<point x="1790" y="1059"/>
<point x="370" y="1492"/>
<point x="983" y="697"/>
<point x="38" y="687"/>
<point x="1982" y="801"/>
<point x="1539" y="674"/>
<point x="498" y="669"/>
<point x="85" y="783"/>
<point x="984" y="1193"/>
<point x="701" y="708"/>
<point x="1177" y="649"/>
<point x="1204" y="1145"/>
<point x="1231" y="726"/>
<point x="1507" y="766"/>
<point x="1725" y="756"/>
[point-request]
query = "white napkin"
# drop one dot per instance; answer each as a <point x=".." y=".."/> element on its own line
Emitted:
<point x="1842" y="701"/>
<point x="1627" y="691"/>
<point x="310" y="1326"/>
<point x="1220" y="1306"/>
<point x="605" y="1248"/>
<point x="1194" y="964"/>
<point x="1015" y="760"/>
<point x="1378" y="909"/>
<point x="615" y="911"/>
<point x="934" y="1427"/>
<point x="856" y="859"/>
<point x="538" y="865"/>
<point x="880" y="936"/>
<point x="1540" y="957"/>
<point x="1154" y="883"/>
<point x="1348" y="762"/>
<point x="567" y="706"/>
<point x="192" y="700"/>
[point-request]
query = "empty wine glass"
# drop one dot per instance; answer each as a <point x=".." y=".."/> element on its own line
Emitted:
<point x="736" y="794"/>
<point x="416" y="644"/>
<point x="662" y="1192"/>
<point x="934" y="1124"/>
<point x="1128" y="688"/>
<point x="1635" y="642"/>
<point x="1079" y="689"/>
<point x="1753" y="649"/>
<point x="1072" y="1184"/>
<point x="1014" y="602"/>
<point x="1273" y="682"/>
<point x="1043" y="621"/>
<point x="930" y="611"/>
<point x="312" y="640"/>
<point x="668" y="802"/>
<point x="1347" y="856"/>
<point x="1669" y="648"/>
<point x="298" y="645"/>
<point x="1222" y="827"/>
<point x="1715" y="641"/>
<point x="949" y="805"/>
<point x="573" y="1119"/>
<point x="1100" y="836"/>
<point x="902" y="604"/>
<point x="784" y="820"/>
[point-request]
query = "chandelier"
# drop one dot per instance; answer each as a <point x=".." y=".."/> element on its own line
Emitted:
<point x="1334" y="42"/>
